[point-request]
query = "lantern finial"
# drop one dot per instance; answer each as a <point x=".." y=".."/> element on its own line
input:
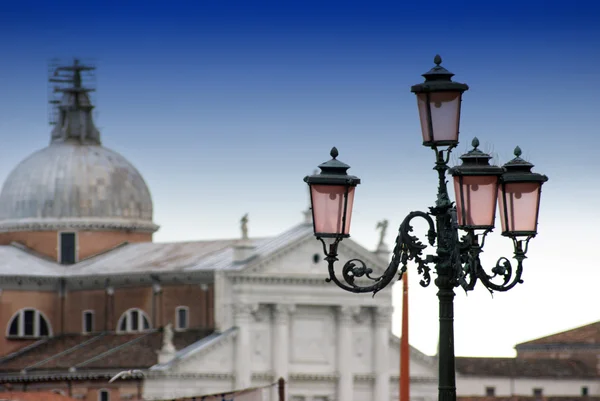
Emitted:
<point x="334" y="152"/>
<point x="518" y="152"/>
<point x="437" y="60"/>
<point x="475" y="143"/>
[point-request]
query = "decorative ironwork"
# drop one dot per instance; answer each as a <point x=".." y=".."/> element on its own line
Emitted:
<point x="457" y="258"/>
<point x="456" y="261"/>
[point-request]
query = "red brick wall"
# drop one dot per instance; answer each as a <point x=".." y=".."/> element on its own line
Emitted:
<point x="89" y="242"/>
<point x="89" y="389"/>
<point x="200" y="303"/>
<point x="78" y="301"/>
<point x="46" y="302"/>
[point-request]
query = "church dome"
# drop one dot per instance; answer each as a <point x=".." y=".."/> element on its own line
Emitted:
<point x="75" y="182"/>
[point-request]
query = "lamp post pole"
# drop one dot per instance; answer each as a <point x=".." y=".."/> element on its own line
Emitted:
<point x="456" y="263"/>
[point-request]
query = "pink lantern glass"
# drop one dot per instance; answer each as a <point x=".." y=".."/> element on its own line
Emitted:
<point x="444" y="110"/>
<point x="476" y="200"/>
<point x="328" y="203"/>
<point x="520" y="214"/>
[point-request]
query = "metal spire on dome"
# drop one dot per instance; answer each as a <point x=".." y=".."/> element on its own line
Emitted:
<point x="73" y="111"/>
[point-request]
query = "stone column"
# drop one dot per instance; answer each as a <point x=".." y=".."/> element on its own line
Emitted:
<point x="281" y="346"/>
<point x="381" y="339"/>
<point x="344" y="354"/>
<point x="243" y="351"/>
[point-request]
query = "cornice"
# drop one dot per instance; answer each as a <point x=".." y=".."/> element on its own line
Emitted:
<point x="285" y="280"/>
<point x="314" y="377"/>
<point x="61" y="375"/>
<point x="191" y="376"/>
<point x="416" y="379"/>
<point x="100" y="282"/>
<point x="30" y="283"/>
<point x="84" y="224"/>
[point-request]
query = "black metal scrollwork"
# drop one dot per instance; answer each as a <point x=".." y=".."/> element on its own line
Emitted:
<point x="456" y="258"/>
<point x="407" y="248"/>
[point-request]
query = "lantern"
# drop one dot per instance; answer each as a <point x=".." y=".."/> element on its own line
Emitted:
<point x="332" y="198"/>
<point x="439" y="100"/>
<point x="476" y="189"/>
<point x="519" y="197"/>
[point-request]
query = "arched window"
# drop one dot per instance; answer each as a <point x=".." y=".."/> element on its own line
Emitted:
<point x="29" y="323"/>
<point x="133" y="320"/>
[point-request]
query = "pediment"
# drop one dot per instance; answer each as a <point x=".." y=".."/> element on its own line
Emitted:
<point x="305" y="258"/>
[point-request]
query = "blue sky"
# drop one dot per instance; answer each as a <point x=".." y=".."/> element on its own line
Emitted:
<point x="225" y="106"/>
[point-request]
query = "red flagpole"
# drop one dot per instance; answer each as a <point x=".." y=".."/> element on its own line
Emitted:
<point x="404" y="347"/>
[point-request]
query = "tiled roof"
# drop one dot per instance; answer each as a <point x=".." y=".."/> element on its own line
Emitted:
<point x="148" y="257"/>
<point x="515" y="367"/>
<point x="33" y="396"/>
<point x="100" y="352"/>
<point x="588" y="334"/>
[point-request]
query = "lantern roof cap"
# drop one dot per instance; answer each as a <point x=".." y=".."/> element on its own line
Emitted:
<point x="333" y="172"/>
<point x="519" y="170"/>
<point x="438" y="79"/>
<point x="476" y="162"/>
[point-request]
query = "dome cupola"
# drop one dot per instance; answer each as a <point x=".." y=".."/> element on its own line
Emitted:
<point x="75" y="183"/>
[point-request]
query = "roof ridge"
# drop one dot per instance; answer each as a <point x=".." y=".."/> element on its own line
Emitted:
<point x="535" y="341"/>
<point x="104" y="252"/>
<point x="24" y="248"/>
<point x="211" y="240"/>
<point x="64" y="352"/>
<point x="21" y="351"/>
<point x="110" y="351"/>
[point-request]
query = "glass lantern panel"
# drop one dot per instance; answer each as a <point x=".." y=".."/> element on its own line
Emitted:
<point x="522" y="202"/>
<point x="445" y="116"/>
<point x="476" y="200"/>
<point x="328" y="208"/>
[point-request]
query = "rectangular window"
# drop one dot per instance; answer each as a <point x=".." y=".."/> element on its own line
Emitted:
<point x="584" y="391"/>
<point x="67" y="248"/>
<point x="88" y="321"/>
<point x="490" y="391"/>
<point x="29" y="324"/>
<point x="135" y="320"/>
<point x="103" y="395"/>
<point x="538" y="392"/>
<point x="182" y="318"/>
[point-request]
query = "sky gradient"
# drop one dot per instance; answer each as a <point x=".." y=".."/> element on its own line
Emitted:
<point x="225" y="106"/>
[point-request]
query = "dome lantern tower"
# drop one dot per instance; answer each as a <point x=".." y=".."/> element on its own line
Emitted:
<point x="75" y="185"/>
<point x="75" y="120"/>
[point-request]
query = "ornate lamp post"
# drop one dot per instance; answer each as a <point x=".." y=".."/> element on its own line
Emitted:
<point x="477" y="185"/>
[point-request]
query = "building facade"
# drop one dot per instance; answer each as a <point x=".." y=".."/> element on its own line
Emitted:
<point x="86" y="294"/>
<point x="565" y="364"/>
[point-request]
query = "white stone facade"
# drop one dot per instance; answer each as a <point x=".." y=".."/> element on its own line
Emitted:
<point x="279" y="318"/>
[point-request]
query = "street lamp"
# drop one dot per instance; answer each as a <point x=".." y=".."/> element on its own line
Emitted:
<point x="477" y="185"/>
